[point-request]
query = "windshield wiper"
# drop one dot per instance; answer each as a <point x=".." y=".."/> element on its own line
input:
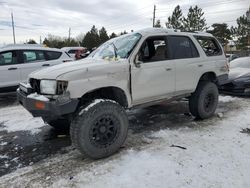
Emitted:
<point x="115" y="49"/>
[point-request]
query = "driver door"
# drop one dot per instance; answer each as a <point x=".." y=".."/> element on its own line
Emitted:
<point x="154" y="78"/>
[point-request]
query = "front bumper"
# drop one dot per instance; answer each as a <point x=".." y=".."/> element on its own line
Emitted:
<point x="47" y="109"/>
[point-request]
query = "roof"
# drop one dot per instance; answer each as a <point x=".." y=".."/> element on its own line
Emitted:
<point x="73" y="48"/>
<point x="27" y="47"/>
<point x="149" y="31"/>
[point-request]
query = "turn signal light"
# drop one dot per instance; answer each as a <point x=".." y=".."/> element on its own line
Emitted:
<point x="40" y="105"/>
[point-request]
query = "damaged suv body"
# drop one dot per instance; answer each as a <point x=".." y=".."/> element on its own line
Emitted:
<point x="138" y="69"/>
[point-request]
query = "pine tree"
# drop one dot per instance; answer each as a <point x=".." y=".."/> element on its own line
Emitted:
<point x="31" y="41"/>
<point x="242" y="31"/>
<point x="158" y="24"/>
<point x="124" y="32"/>
<point x="195" y="20"/>
<point x="222" y="32"/>
<point x="113" y="35"/>
<point x="91" y="39"/>
<point x="103" y="35"/>
<point x="176" y="20"/>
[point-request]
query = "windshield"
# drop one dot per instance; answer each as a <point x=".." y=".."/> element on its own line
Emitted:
<point x="119" y="47"/>
<point x="241" y="62"/>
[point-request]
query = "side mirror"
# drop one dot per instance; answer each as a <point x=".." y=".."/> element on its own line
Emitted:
<point x="137" y="61"/>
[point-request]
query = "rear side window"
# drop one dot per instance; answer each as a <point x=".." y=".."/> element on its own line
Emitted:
<point x="8" y="58"/>
<point x="52" y="55"/>
<point x="209" y="45"/>
<point x="181" y="47"/>
<point x="31" y="56"/>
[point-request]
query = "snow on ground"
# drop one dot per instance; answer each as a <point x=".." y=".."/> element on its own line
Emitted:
<point x="16" y="118"/>
<point x="227" y="98"/>
<point x="217" y="155"/>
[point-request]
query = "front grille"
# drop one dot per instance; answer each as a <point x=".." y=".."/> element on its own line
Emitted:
<point x="35" y="84"/>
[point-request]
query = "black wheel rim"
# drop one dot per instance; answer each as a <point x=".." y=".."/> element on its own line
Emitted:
<point x="104" y="131"/>
<point x="209" y="102"/>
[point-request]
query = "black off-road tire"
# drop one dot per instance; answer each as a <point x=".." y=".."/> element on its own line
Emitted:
<point x="203" y="102"/>
<point x="58" y="124"/>
<point x="99" y="129"/>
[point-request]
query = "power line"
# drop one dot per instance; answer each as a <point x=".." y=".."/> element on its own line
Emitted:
<point x="207" y="4"/>
<point x="214" y="13"/>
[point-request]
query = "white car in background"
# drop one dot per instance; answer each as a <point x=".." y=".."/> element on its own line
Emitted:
<point x="18" y="61"/>
<point x="231" y="57"/>
<point x="72" y="50"/>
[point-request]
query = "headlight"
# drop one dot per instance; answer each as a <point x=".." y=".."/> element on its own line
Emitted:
<point x="48" y="87"/>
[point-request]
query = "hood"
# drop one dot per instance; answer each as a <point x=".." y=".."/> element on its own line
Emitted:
<point x="55" y="71"/>
<point x="238" y="72"/>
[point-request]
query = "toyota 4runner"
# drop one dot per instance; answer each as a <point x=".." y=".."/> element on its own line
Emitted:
<point x="141" y="68"/>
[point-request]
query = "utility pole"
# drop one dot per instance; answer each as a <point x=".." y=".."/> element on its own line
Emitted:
<point x="69" y="33"/>
<point x="13" y="28"/>
<point x="40" y="40"/>
<point x="154" y="15"/>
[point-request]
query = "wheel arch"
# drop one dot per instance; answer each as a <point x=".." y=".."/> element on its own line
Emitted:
<point x="110" y="92"/>
<point x="208" y="76"/>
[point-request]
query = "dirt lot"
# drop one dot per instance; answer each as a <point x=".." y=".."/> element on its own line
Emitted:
<point x="165" y="146"/>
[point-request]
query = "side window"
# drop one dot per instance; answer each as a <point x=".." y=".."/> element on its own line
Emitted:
<point x="181" y="47"/>
<point x="8" y="58"/>
<point x="31" y="56"/>
<point x="52" y="55"/>
<point x="72" y="51"/>
<point x="209" y="45"/>
<point x="153" y="49"/>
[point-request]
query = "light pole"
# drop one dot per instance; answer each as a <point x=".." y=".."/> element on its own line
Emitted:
<point x="13" y="28"/>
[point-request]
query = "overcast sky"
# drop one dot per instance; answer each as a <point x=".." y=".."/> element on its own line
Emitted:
<point x="40" y="18"/>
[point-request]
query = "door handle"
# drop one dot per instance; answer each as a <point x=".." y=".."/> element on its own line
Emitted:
<point x="46" y="65"/>
<point x="200" y="65"/>
<point x="12" y="68"/>
<point x="168" y="69"/>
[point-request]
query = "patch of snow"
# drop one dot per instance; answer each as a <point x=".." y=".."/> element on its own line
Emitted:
<point x="96" y="101"/>
<point x="4" y="157"/>
<point x="225" y="99"/>
<point x="38" y="97"/>
<point x="3" y="143"/>
<point x="16" y="118"/>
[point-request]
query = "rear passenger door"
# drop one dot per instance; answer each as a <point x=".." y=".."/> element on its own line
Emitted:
<point x="188" y="63"/>
<point x="9" y="70"/>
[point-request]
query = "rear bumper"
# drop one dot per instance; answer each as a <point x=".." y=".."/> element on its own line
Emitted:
<point x="48" y="109"/>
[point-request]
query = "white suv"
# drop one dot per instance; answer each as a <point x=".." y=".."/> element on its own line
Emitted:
<point x="18" y="61"/>
<point x="138" y="69"/>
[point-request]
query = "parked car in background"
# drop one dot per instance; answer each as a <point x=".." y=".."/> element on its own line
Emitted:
<point x="18" y="61"/>
<point x="239" y="78"/>
<point x="231" y="57"/>
<point x="73" y="51"/>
